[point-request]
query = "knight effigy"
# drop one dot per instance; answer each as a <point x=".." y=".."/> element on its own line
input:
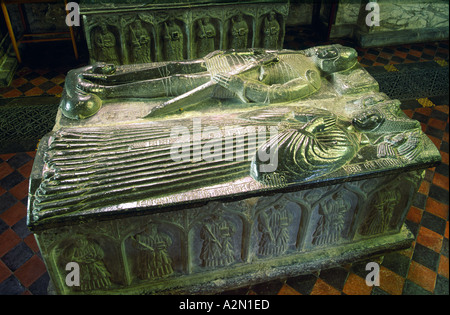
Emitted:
<point x="238" y="167"/>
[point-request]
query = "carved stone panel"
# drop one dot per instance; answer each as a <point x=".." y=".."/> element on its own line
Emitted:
<point x="126" y="36"/>
<point x="137" y="254"/>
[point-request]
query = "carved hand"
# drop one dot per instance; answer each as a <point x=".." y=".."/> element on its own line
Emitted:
<point x="232" y="83"/>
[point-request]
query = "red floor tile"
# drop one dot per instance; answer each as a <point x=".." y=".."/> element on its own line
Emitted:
<point x="25" y="169"/>
<point x="443" y="266"/>
<point x="30" y="240"/>
<point x="440" y="180"/>
<point x="323" y="288"/>
<point x="5" y="169"/>
<point x="12" y="93"/>
<point x="20" y="191"/>
<point x="8" y="240"/>
<point x="287" y="290"/>
<point x="355" y="285"/>
<point x="422" y="276"/>
<point x="34" y="92"/>
<point x="30" y="271"/>
<point x="437" y="208"/>
<point x="4" y="272"/>
<point x="14" y="214"/>
<point x="391" y="282"/>
<point x="38" y="81"/>
<point x="430" y="239"/>
<point x="414" y="215"/>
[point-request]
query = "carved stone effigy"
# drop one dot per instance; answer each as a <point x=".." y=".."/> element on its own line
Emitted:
<point x="130" y="32"/>
<point x="239" y="167"/>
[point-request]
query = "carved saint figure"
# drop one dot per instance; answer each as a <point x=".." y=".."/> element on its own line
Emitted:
<point x="252" y="75"/>
<point x="382" y="210"/>
<point x="217" y="248"/>
<point x="271" y="31"/>
<point x="239" y="33"/>
<point x="89" y="256"/>
<point x="331" y="222"/>
<point x="140" y="43"/>
<point x="206" y="37"/>
<point x="173" y="41"/>
<point x="274" y="227"/>
<point x="105" y="44"/>
<point x="153" y="259"/>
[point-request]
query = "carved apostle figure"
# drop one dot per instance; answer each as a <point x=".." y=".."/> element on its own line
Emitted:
<point x="271" y="31"/>
<point x="206" y="37"/>
<point x="239" y="33"/>
<point x="217" y="248"/>
<point x="154" y="260"/>
<point x="140" y="43"/>
<point x="274" y="227"/>
<point x="382" y="210"/>
<point x="173" y="41"/>
<point x="105" y="44"/>
<point x="89" y="256"/>
<point x="331" y="222"/>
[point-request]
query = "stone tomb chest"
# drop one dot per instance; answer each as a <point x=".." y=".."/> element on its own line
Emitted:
<point x="215" y="173"/>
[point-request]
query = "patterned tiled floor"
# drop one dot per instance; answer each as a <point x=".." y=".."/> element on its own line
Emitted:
<point x="421" y="269"/>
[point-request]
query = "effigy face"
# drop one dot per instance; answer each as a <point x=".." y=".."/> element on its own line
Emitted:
<point x="207" y="167"/>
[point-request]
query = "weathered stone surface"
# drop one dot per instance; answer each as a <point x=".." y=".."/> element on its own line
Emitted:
<point x="400" y="22"/>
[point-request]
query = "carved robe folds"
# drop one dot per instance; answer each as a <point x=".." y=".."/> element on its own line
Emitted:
<point x="178" y="189"/>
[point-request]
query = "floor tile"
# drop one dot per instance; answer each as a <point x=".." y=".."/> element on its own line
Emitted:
<point x="8" y="240"/>
<point x="415" y="214"/>
<point x="15" y="213"/>
<point x="323" y="288"/>
<point x="443" y="266"/>
<point x="5" y="273"/>
<point x="433" y="222"/>
<point x="391" y="282"/>
<point x="397" y="263"/>
<point x="442" y="286"/>
<point x="355" y="285"/>
<point x="422" y="276"/>
<point x="302" y="284"/>
<point x="17" y="256"/>
<point x="426" y="257"/>
<point x="287" y="290"/>
<point x="335" y="277"/>
<point x="11" y="286"/>
<point x="430" y="239"/>
<point x="410" y="288"/>
<point x="11" y="180"/>
<point x="437" y="208"/>
<point x="30" y="271"/>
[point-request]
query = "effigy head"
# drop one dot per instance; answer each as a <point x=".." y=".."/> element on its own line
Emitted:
<point x="333" y="58"/>
<point x="368" y="120"/>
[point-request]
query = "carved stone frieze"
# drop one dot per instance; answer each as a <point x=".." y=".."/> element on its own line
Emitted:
<point x="155" y="34"/>
<point x="166" y="245"/>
